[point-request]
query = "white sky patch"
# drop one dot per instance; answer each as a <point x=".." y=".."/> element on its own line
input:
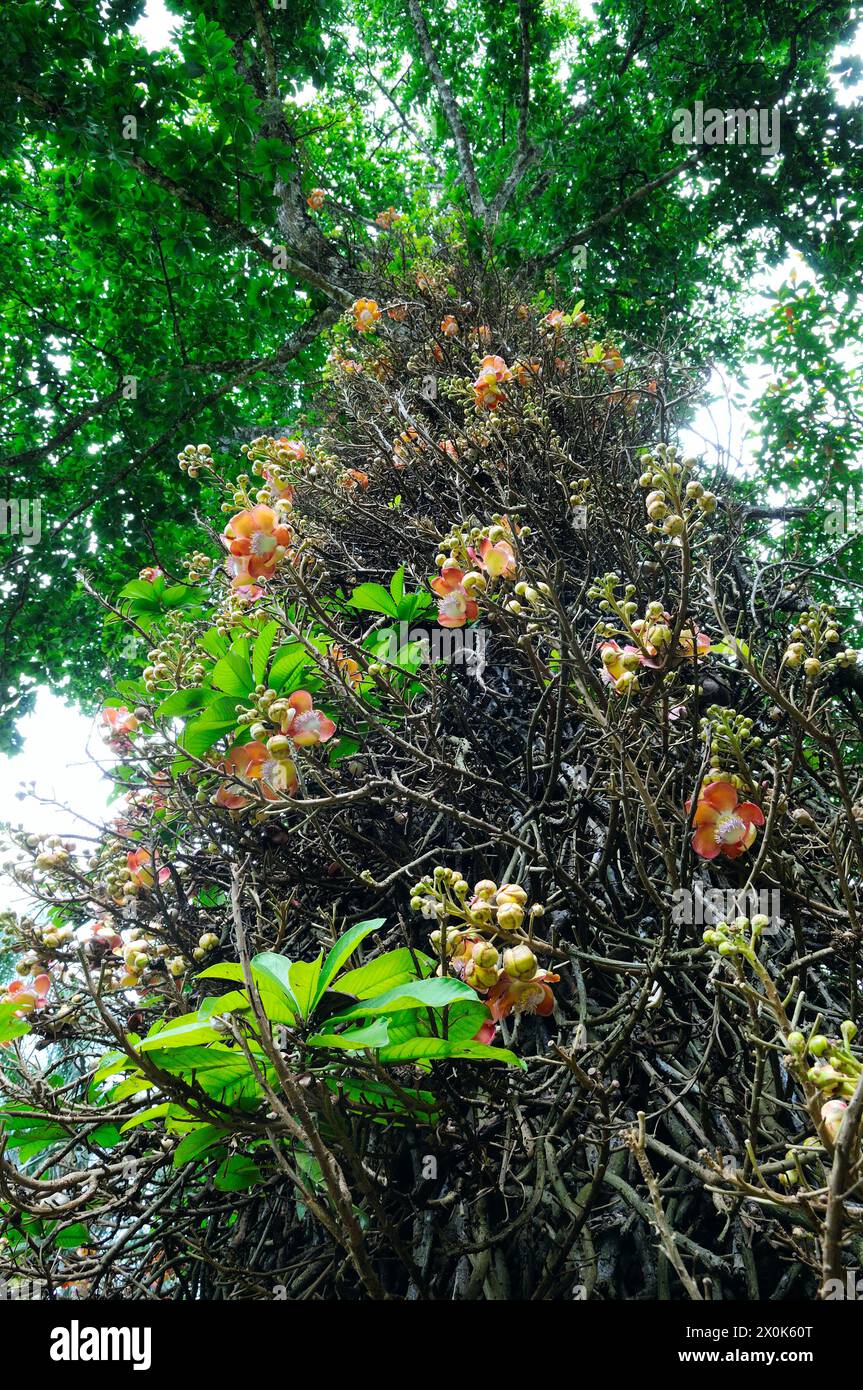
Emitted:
<point x="155" y="27"/>
<point x="62" y="755"/>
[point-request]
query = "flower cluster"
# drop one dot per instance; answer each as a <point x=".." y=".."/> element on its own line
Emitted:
<point x="278" y="726"/>
<point x="651" y="641"/>
<point x="488" y="949"/>
<point x="815" y="643"/>
<point x="471" y="560"/>
<point x="731" y="742"/>
<point x="674" y="504"/>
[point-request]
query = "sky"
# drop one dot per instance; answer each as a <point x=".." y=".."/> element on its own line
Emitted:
<point x="62" y="751"/>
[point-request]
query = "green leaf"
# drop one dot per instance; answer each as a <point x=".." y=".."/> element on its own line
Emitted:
<point x="375" y="1034"/>
<point x="304" y="977"/>
<point x="197" y="1142"/>
<point x="261" y="652"/>
<point x="278" y="1004"/>
<point x="441" y="1049"/>
<point x="384" y="973"/>
<point x="200" y="735"/>
<point x="434" y="993"/>
<point x="289" y="662"/>
<point x="70" y="1237"/>
<point x="237" y="1173"/>
<point x="233" y="673"/>
<point x="397" y="585"/>
<point x="343" y="948"/>
<point x="146" y="1117"/>
<point x="374" y="598"/>
<point x="10" y="1026"/>
<point x="185" y="701"/>
<point x="183" y="1035"/>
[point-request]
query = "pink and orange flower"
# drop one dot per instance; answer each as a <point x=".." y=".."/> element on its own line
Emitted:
<point x="617" y="661"/>
<point x="257" y="540"/>
<point x="27" y="996"/>
<point x="497" y="558"/>
<point x="488" y="388"/>
<point x="140" y="865"/>
<point x="303" y="724"/>
<point x="449" y="326"/>
<point x="723" y="823"/>
<point x="251" y="762"/>
<point x="119" y="722"/>
<point x="456" y="607"/>
<point x="316" y="199"/>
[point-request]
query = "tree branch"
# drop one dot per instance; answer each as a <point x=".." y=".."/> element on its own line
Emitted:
<point x="451" y="112"/>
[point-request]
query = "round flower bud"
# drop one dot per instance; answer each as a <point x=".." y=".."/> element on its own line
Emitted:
<point x="812" y="667"/>
<point x="510" y="916"/>
<point x="485" y="888"/>
<point x="279" y="746"/>
<point x="484" y="955"/>
<point x="520" y="963"/>
<point x="511" y="893"/>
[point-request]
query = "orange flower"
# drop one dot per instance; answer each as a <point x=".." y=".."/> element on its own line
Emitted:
<point x="555" y="320"/>
<point x="522" y="996"/>
<point x="581" y="320"/>
<point x="257" y="541"/>
<point x="119" y="722"/>
<point x="497" y="559"/>
<point x="723" y="824"/>
<point x="251" y="762"/>
<point x="366" y="314"/>
<point x="305" y="725"/>
<point x="354" y="478"/>
<point x="316" y="199"/>
<point x="456" y="607"/>
<point x="348" y="669"/>
<point x="387" y="218"/>
<point x="448" y="326"/>
<point x="488" y="389"/>
<point x="150" y="573"/>
<point x="612" y="361"/>
<point x="140" y="865"/>
<point x="526" y="373"/>
<point x="27" y="996"/>
<point x="398" y="312"/>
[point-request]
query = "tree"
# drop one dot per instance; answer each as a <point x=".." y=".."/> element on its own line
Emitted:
<point x="165" y="277"/>
<point x="462" y="968"/>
